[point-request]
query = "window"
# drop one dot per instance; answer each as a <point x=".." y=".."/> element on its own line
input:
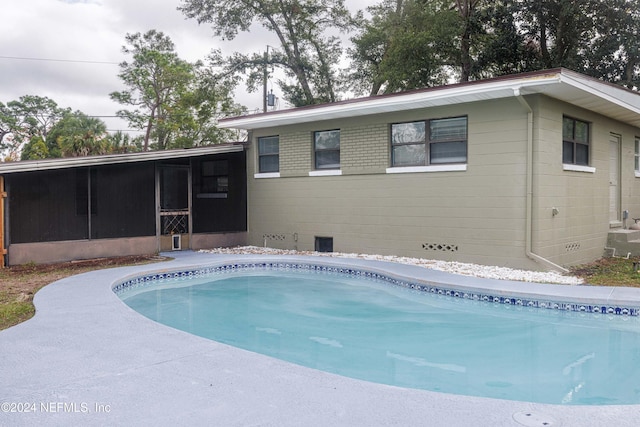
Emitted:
<point x="575" y="142"/>
<point x="269" y="154"/>
<point x="437" y="141"/>
<point x="448" y="140"/>
<point x="326" y="146"/>
<point x="215" y="177"/>
<point x="637" y="155"/>
<point x="408" y="144"/>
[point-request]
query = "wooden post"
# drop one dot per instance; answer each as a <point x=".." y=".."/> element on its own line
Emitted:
<point x="3" y="195"/>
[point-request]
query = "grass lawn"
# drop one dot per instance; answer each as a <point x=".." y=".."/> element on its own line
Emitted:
<point x="610" y="272"/>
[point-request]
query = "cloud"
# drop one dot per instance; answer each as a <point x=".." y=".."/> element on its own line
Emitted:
<point x="53" y="34"/>
<point x="93" y="31"/>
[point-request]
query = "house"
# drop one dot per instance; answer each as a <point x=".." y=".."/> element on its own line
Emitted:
<point x="125" y="204"/>
<point x="529" y="171"/>
<point x="537" y="171"/>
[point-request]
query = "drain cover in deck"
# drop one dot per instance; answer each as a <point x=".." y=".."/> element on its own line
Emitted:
<point x="535" y="419"/>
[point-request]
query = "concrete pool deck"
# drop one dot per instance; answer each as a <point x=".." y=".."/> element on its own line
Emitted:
<point x="88" y="359"/>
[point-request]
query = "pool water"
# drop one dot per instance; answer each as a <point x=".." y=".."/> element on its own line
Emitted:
<point x="377" y="332"/>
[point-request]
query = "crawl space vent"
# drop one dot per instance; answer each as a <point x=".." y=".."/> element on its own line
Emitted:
<point x="440" y="247"/>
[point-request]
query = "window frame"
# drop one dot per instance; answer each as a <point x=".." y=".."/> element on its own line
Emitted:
<point x="269" y="155"/>
<point x="575" y="142"/>
<point x="325" y="150"/>
<point x="210" y="183"/>
<point x="428" y="141"/>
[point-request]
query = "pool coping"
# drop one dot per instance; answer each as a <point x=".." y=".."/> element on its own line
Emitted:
<point x="92" y="360"/>
<point x="592" y="299"/>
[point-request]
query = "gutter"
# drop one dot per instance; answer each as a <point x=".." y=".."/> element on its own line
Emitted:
<point x="529" y="204"/>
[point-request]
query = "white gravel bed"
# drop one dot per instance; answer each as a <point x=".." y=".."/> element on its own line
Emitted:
<point x="466" y="269"/>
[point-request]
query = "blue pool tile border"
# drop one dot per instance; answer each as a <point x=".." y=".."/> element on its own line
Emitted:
<point x="152" y="279"/>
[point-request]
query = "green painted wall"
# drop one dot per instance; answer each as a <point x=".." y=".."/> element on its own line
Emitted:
<point x="578" y="233"/>
<point x="477" y="215"/>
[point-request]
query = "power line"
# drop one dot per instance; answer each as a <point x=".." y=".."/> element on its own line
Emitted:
<point x="20" y="58"/>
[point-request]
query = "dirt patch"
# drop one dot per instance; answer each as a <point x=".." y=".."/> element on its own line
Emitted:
<point x="24" y="278"/>
<point x="18" y="284"/>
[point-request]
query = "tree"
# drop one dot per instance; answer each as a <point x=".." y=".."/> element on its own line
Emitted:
<point x="7" y="124"/>
<point x="593" y="37"/>
<point x="156" y="78"/>
<point x="121" y="142"/>
<point x="468" y="12"/>
<point x="406" y="44"/>
<point x="559" y="29"/>
<point x="505" y="49"/>
<point x="77" y="135"/>
<point x="176" y="103"/>
<point x="28" y="117"/>
<point x="614" y="51"/>
<point x="35" y="149"/>
<point x="308" y="51"/>
<point x="208" y="99"/>
<point x="419" y="43"/>
<point x="74" y="135"/>
<point x="368" y="50"/>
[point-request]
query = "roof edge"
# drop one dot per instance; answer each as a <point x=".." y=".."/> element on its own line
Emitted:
<point x="110" y="159"/>
<point x="494" y="88"/>
<point x="309" y="110"/>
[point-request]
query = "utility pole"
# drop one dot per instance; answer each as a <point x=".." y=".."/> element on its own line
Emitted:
<point x="264" y="81"/>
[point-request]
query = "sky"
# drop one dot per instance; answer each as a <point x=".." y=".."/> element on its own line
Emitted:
<point x="69" y="50"/>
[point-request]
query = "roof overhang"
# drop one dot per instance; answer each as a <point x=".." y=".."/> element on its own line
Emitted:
<point x="574" y="88"/>
<point x="75" y="162"/>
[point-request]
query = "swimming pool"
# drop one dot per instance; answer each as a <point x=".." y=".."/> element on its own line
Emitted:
<point x="414" y="334"/>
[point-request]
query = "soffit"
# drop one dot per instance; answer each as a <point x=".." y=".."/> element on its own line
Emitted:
<point x="603" y="98"/>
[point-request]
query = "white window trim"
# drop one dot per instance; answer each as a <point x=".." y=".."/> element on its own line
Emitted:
<point x="328" y="172"/>
<point x="431" y="168"/>
<point x="578" y="168"/>
<point x="637" y="174"/>
<point x="267" y="175"/>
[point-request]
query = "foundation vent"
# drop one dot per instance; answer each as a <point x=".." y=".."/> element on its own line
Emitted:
<point x="570" y="247"/>
<point x="324" y="244"/>
<point x="279" y="237"/>
<point x="440" y="247"/>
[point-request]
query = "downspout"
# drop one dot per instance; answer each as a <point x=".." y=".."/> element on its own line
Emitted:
<point x="529" y="203"/>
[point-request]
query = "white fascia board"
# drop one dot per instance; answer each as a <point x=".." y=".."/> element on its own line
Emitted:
<point x="446" y="95"/>
<point x="70" y="162"/>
